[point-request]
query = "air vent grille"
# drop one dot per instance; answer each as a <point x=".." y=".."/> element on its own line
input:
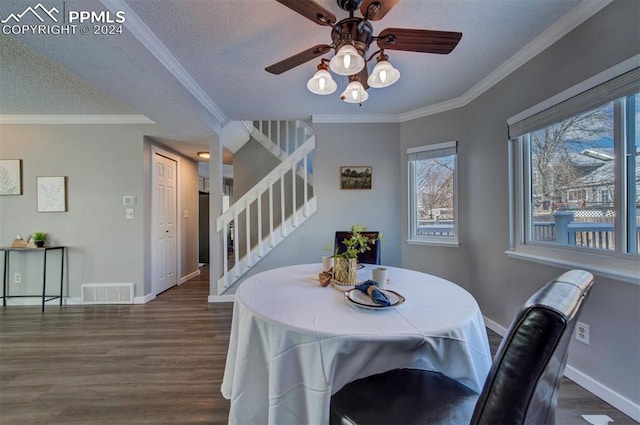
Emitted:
<point x="107" y="293"/>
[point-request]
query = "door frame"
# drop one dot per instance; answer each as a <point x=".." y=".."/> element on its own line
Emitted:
<point x="156" y="150"/>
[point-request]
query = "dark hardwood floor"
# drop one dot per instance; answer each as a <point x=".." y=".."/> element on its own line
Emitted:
<point x="158" y="363"/>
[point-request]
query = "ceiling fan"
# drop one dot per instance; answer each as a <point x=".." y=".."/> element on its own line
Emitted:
<point x="351" y="38"/>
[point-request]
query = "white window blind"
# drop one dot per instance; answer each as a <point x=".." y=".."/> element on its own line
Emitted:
<point x="628" y="82"/>
<point x="431" y="151"/>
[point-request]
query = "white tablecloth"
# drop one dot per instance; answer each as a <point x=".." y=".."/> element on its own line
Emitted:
<point x="295" y="343"/>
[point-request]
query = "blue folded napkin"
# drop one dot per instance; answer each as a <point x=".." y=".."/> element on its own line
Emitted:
<point x="370" y="287"/>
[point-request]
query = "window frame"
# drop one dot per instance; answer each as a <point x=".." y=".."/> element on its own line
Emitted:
<point x="617" y="264"/>
<point x="412" y="237"/>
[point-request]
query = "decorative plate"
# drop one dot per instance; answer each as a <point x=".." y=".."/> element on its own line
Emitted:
<point x="363" y="300"/>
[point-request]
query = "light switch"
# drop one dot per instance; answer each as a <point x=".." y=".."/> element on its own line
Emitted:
<point x="186" y="213"/>
<point x="129" y="213"/>
<point x="129" y="200"/>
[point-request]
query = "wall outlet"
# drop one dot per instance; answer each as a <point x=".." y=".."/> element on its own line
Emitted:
<point x="17" y="277"/>
<point x="582" y="332"/>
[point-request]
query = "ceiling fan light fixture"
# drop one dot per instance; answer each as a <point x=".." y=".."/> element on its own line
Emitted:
<point x="383" y="74"/>
<point x="322" y="83"/>
<point x="354" y="93"/>
<point x="347" y="61"/>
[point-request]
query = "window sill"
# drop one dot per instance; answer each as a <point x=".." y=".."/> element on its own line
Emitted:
<point x="449" y="244"/>
<point x="600" y="265"/>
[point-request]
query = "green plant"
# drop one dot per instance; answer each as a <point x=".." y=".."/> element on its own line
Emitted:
<point x="39" y="236"/>
<point x="357" y="243"/>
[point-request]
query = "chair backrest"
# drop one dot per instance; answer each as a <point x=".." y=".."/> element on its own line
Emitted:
<point x="523" y="382"/>
<point x="368" y="257"/>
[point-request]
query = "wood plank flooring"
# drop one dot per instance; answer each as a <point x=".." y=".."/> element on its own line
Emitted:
<point x="158" y="363"/>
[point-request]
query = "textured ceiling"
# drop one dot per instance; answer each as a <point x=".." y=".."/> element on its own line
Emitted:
<point x="192" y="65"/>
<point x="31" y="84"/>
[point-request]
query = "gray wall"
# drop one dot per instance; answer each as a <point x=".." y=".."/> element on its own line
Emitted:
<point x="102" y="164"/>
<point x="480" y="264"/>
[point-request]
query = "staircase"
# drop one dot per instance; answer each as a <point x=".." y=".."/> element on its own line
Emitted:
<point x="280" y="138"/>
<point x="276" y="206"/>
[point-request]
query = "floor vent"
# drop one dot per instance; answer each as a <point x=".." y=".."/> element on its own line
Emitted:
<point x="107" y="293"/>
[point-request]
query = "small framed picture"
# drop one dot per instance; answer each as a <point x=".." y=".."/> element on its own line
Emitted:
<point x="10" y="177"/>
<point x="356" y="177"/>
<point x="52" y="194"/>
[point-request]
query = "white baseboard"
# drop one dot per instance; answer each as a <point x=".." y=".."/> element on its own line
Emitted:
<point x="494" y="326"/>
<point x="73" y="301"/>
<point x="221" y="298"/>
<point x="623" y="404"/>
<point x="189" y="276"/>
<point x="33" y="301"/>
<point x="144" y="299"/>
<point x="618" y="401"/>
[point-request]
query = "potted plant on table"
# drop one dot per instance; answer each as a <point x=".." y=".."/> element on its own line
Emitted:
<point x="345" y="263"/>
<point x="39" y="238"/>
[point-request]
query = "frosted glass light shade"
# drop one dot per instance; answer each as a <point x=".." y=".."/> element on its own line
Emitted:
<point x="347" y="61"/>
<point x="321" y="83"/>
<point x="383" y="75"/>
<point x="354" y="93"/>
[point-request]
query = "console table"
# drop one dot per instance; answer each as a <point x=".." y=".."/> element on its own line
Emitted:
<point x="44" y="250"/>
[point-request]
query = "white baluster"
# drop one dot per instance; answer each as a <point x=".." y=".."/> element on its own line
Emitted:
<point x="247" y="217"/>
<point x="259" y="224"/>
<point x="287" y="149"/>
<point x="225" y="248"/>
<point x="283" y="216"/>
<point x="270" y="215"/>
<point x="294" y="217"/>
<point x="236" y="250"/>
<point x="306" y="194"/>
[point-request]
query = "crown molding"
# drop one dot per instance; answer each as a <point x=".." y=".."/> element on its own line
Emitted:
<point x="75" y="119"/>
<point x="152" y="43"/>
<point x="564" y="25"/>
<point x="568" y="22"/>
<point x="447" y="105"/>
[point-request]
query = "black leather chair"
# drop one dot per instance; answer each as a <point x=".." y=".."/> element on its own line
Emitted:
<point x="368" y="257"/>
<point x="522" y="385"/>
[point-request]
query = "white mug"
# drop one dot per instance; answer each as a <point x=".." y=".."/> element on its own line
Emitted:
<point x="327" y="263"/>
<point x="379" y="275"/>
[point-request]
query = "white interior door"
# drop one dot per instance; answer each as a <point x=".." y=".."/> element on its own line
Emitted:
<point x="164" y="223"/>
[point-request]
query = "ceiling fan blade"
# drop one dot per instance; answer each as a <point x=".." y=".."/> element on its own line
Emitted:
<point x="374" y="10"/>
<point x="298" y="59"/>
<point x="425" y="41"/>
<point x="312" y="10"/>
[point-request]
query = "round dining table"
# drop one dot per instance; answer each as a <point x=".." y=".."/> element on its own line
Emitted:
<point x="294" y="343"/>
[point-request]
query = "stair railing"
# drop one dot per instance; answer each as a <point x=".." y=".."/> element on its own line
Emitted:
<point x="280" y="137"/>
<point x="229" y="220"/>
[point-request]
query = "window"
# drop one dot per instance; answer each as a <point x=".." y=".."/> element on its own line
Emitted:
<point x="575" y="171"/>
<point x="433" y="179"/>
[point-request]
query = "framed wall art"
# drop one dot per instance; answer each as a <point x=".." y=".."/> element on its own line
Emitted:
<point x="52" y="194"/>
<point x="356" y="177"/>
<point x="10" y="177"/>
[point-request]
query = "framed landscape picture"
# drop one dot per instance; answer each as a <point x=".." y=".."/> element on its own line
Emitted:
<point x="52" y="194"/>
<point x="10" y="177"/>
<point x="356" y="177"/>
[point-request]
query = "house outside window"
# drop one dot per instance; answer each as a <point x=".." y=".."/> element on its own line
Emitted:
<point x="575" y="173"/>
<point x="433" y="180"/>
